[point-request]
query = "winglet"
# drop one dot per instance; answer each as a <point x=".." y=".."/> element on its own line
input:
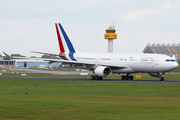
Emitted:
<point x="6" y="54"/>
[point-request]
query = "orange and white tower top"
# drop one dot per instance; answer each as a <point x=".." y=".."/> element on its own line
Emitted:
<point x="110" y="35"/>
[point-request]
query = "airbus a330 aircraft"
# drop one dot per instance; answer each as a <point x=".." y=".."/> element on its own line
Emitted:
<point x="104" y="64"/>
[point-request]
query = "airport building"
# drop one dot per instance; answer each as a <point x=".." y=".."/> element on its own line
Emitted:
<point x="168" y="49"/>
<point x="7" y="63"/>
<point x="27" y="63"/>
<point x="34" y="63"/>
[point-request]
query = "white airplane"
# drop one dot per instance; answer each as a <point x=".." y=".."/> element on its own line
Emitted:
<point x="104" y="64"/>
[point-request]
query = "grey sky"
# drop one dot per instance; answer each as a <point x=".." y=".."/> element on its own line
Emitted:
<point x="29" y="25"/>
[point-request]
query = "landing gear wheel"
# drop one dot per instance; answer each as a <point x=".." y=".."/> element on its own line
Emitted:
<point x="100" y="78"/>
<point x="96" y="77"/>
<point x="131" y="77"/>
<point x="127" y="77"/>
<point x="122" y="77"/>
<point x="92" y="77"/>
<point x="161" y="79"/>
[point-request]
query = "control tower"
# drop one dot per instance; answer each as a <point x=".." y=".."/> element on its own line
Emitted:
<point x="110" y="35"/>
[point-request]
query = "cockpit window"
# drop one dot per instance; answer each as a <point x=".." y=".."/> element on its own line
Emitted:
<point x="173" y="60"/>
<point x="170" y="60"/>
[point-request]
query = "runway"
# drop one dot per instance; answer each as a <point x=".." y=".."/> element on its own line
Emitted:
<point x="88" y="80"/>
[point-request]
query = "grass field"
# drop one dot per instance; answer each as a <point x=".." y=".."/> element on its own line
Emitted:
<point x="68" y="100"/>
<point x="144" y="76"/>
<point x="28" y="99"/>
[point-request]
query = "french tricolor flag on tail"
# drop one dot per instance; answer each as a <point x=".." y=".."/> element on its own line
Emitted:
<point x="65" y="45"/>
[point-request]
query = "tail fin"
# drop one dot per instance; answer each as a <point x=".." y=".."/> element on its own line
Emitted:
<point x="64" y="42"/>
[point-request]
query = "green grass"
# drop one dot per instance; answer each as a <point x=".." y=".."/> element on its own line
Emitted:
<point x="144" y="76"/>
<point x="28" y="99"/>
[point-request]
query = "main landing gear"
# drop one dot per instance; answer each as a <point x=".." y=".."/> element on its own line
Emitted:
<point x="96" y="77"/>
<point x="127" y="77"/>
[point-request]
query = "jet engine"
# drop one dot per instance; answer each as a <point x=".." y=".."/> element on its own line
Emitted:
<point x="103" y="71"/>
<point x="156" y="74"/>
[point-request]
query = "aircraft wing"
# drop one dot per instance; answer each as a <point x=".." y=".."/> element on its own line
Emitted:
<point x="6" y="54"/>
<point x="61" y="56"/>
<point x="46" y="53"/>
<point x="90" y="64"/>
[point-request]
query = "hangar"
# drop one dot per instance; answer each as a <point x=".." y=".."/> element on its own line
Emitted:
<point x="168" y="49"/>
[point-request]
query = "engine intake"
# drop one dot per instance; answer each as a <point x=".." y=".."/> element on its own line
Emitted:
<point x="103" y="71"/>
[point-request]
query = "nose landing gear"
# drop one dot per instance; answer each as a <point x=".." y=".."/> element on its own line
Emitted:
<point x="161" y="78"/>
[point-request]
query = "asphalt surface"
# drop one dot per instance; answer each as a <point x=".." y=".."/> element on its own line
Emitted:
<point x="88" y="80"/>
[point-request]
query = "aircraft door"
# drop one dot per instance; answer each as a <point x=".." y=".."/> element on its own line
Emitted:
<point x="156" y="62"/>
<point x="156" y="66"/>
<point x="97" y="60"/>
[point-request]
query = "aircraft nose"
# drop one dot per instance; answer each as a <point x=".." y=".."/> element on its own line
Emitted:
<point x="172" y="66"/>
<point x="175" y="65"/>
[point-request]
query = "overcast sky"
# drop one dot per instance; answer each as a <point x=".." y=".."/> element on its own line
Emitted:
<point x="28" y="25"/>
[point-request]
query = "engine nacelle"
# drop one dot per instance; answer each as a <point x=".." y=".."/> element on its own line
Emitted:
<point x="103" y="71"/>
<point x="154" y="74"/>
<point x="157" y="74"/>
